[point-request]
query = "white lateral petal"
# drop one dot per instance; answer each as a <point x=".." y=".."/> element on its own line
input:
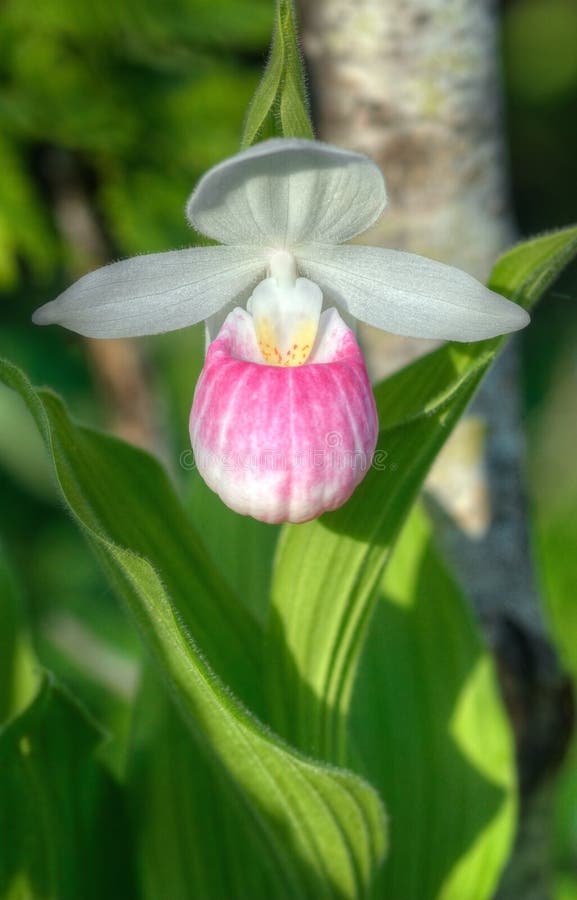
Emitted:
<point x="286" y="191"/>
<point x="155" y="293"/>
<point x="408" y="294"/>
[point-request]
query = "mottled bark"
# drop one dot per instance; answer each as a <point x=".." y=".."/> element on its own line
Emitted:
<point x="415" y="84"/>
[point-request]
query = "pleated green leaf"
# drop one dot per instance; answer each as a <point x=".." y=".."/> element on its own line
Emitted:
<point x="428" y="724"/>
<point x="64" y="834"/>
<point x="189" y="829"/>
<point x="321" y="829"/>
<point x="224" y="532"/>
<point x="100" y="478"/>
<point x="327" y="570"/>
<point x="279" y="105"/>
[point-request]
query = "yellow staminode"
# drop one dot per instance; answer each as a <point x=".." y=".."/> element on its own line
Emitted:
<point x="291" y="349"/>
<point x="286" y="311"/>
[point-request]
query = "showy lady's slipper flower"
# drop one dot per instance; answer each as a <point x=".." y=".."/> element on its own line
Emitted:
<point x="283" y="423"/>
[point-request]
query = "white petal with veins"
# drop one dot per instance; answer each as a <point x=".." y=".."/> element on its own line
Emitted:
<point x="281" y="192"/>
<point x="407" y="294"/>
<point x="156" y="293"/>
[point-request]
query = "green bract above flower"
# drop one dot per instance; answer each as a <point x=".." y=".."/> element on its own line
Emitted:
<point x="303" y="197"/>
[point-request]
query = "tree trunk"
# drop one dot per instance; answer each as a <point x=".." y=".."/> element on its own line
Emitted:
<point x="415" y="84"/>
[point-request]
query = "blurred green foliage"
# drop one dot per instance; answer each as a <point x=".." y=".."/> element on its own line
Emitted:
<point x="540" y="64"/>
<point x="551" y="382"/>
<point x="127" y="102"/>
<point x="109" y="113"/>
<point x="540" y="41"/>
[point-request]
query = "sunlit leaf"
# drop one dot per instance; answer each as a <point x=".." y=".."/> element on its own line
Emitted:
<point x="428" y="724"/>
<point x="327" y="570"/>
<point x="322" y="829"/>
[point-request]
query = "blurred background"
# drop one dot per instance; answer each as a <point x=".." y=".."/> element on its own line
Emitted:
<point x="109" y="113"/>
